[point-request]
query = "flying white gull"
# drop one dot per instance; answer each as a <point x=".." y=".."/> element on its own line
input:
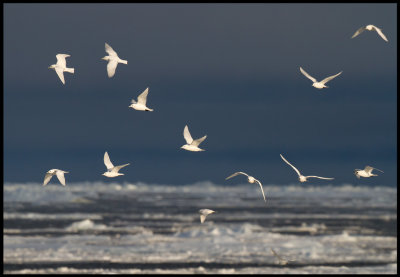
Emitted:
<point x="367" y="172"/>
<point x="113" y="61"/>
<point x="112" y="171"/>
<point x="250" y="179"/>
<point x="61" y="66"/>
<point x="370" y="28"/>
<point x="317" y="84"/>
<point x="301" y="177"/>
<point x="59" y="173"/>
<point x="282" y="261"/>
<point x="140" y="105"/>
<point x="191" y="145"/>
<point x="204" y="213"/>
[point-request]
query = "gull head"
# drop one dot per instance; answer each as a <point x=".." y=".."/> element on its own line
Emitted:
<point x="107" y="174"/>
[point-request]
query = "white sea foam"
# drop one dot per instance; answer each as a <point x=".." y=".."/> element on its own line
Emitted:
<point x="86" y="224"/>
<point x="241" y="233"/>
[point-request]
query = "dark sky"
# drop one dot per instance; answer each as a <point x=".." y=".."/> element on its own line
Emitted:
<point x="229" y="71"/>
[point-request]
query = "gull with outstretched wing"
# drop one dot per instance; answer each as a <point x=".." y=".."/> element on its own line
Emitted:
<point x="250" y="179"/>
<point x="140" y="104"/>
<point x="59" y="173"/>
<point x="113" y="60"/>
<point x="301" y="177"/>
<point x="191" y="144"/>
<point x="370" y="28"/>
<point x="204" y="213"/>
<point x="321" y="84"/>
<point x="112" y="171"/>
<point x="366" y="172"/>
<point x="61" y="66"/>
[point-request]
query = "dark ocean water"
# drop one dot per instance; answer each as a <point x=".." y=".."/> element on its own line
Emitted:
<point x="98" y="227"/>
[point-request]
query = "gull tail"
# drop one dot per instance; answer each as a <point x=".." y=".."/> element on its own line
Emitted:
<point x="70" y="70"/>
<point x="149" y="110"/>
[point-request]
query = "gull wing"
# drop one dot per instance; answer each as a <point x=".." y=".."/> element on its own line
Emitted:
<point x="111" y="67"/>
<point x="47" y="178"/>
<point x="107" y="161"/>
<point x="280" y="258"/>
<point x="236" y="174"/>
<point x="60" y="73"/>
<point x="319" y="177"/>
<point x="187" y="135"/>
<point x="276" y="255"/>
<point x="142" y="98"/>
<point x="379" y="31"/>
<point x="197" y="142"/>
<point x="117" y="168"/>
<point x="60" y="176"/>
<point x="61" y="59"/>
<point x="307" y="75"/>
<point x="327" y="79"/>
<point x="202" y="218"/>
<point x="297" y="171"/>
<point x="369" y="169"/>
<point x="110" y="51"/>
<point x="359" y="31"/>
<point x="261" y="189"/>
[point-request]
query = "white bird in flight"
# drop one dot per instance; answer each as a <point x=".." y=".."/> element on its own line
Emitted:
<point x="301" y="177"/>
<point x="366" y="172"/>
<point x="250" y="179"/>
<point x="113" y="61"/>
<point x="59" y="173"/>
<point x="370" y="28"/>
<point x="191" y="145"/>
<point x="140" y="105"/>
<point x="322" y="83"/>
<point x="282" y="260"/>
<point x="112" y="171"/>
<point x="61" y="66"/>
<point x="204" y="213"/>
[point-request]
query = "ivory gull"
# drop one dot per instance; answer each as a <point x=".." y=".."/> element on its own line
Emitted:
<point x="61" y="66"/>
<point x="191" y="145"/>
<point x="370" y="28"/>
<point x="140" y="105"/>
<point x="301" y="177"/>
<point x="250" y="179"/>
<point x="321" y="84"/>
<point x="113" y="61"/>
<point x="59" y="173"/>
<point x="366" y="172"/>
<point x="112" y="171"/>
<point x="204" y="213"/>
